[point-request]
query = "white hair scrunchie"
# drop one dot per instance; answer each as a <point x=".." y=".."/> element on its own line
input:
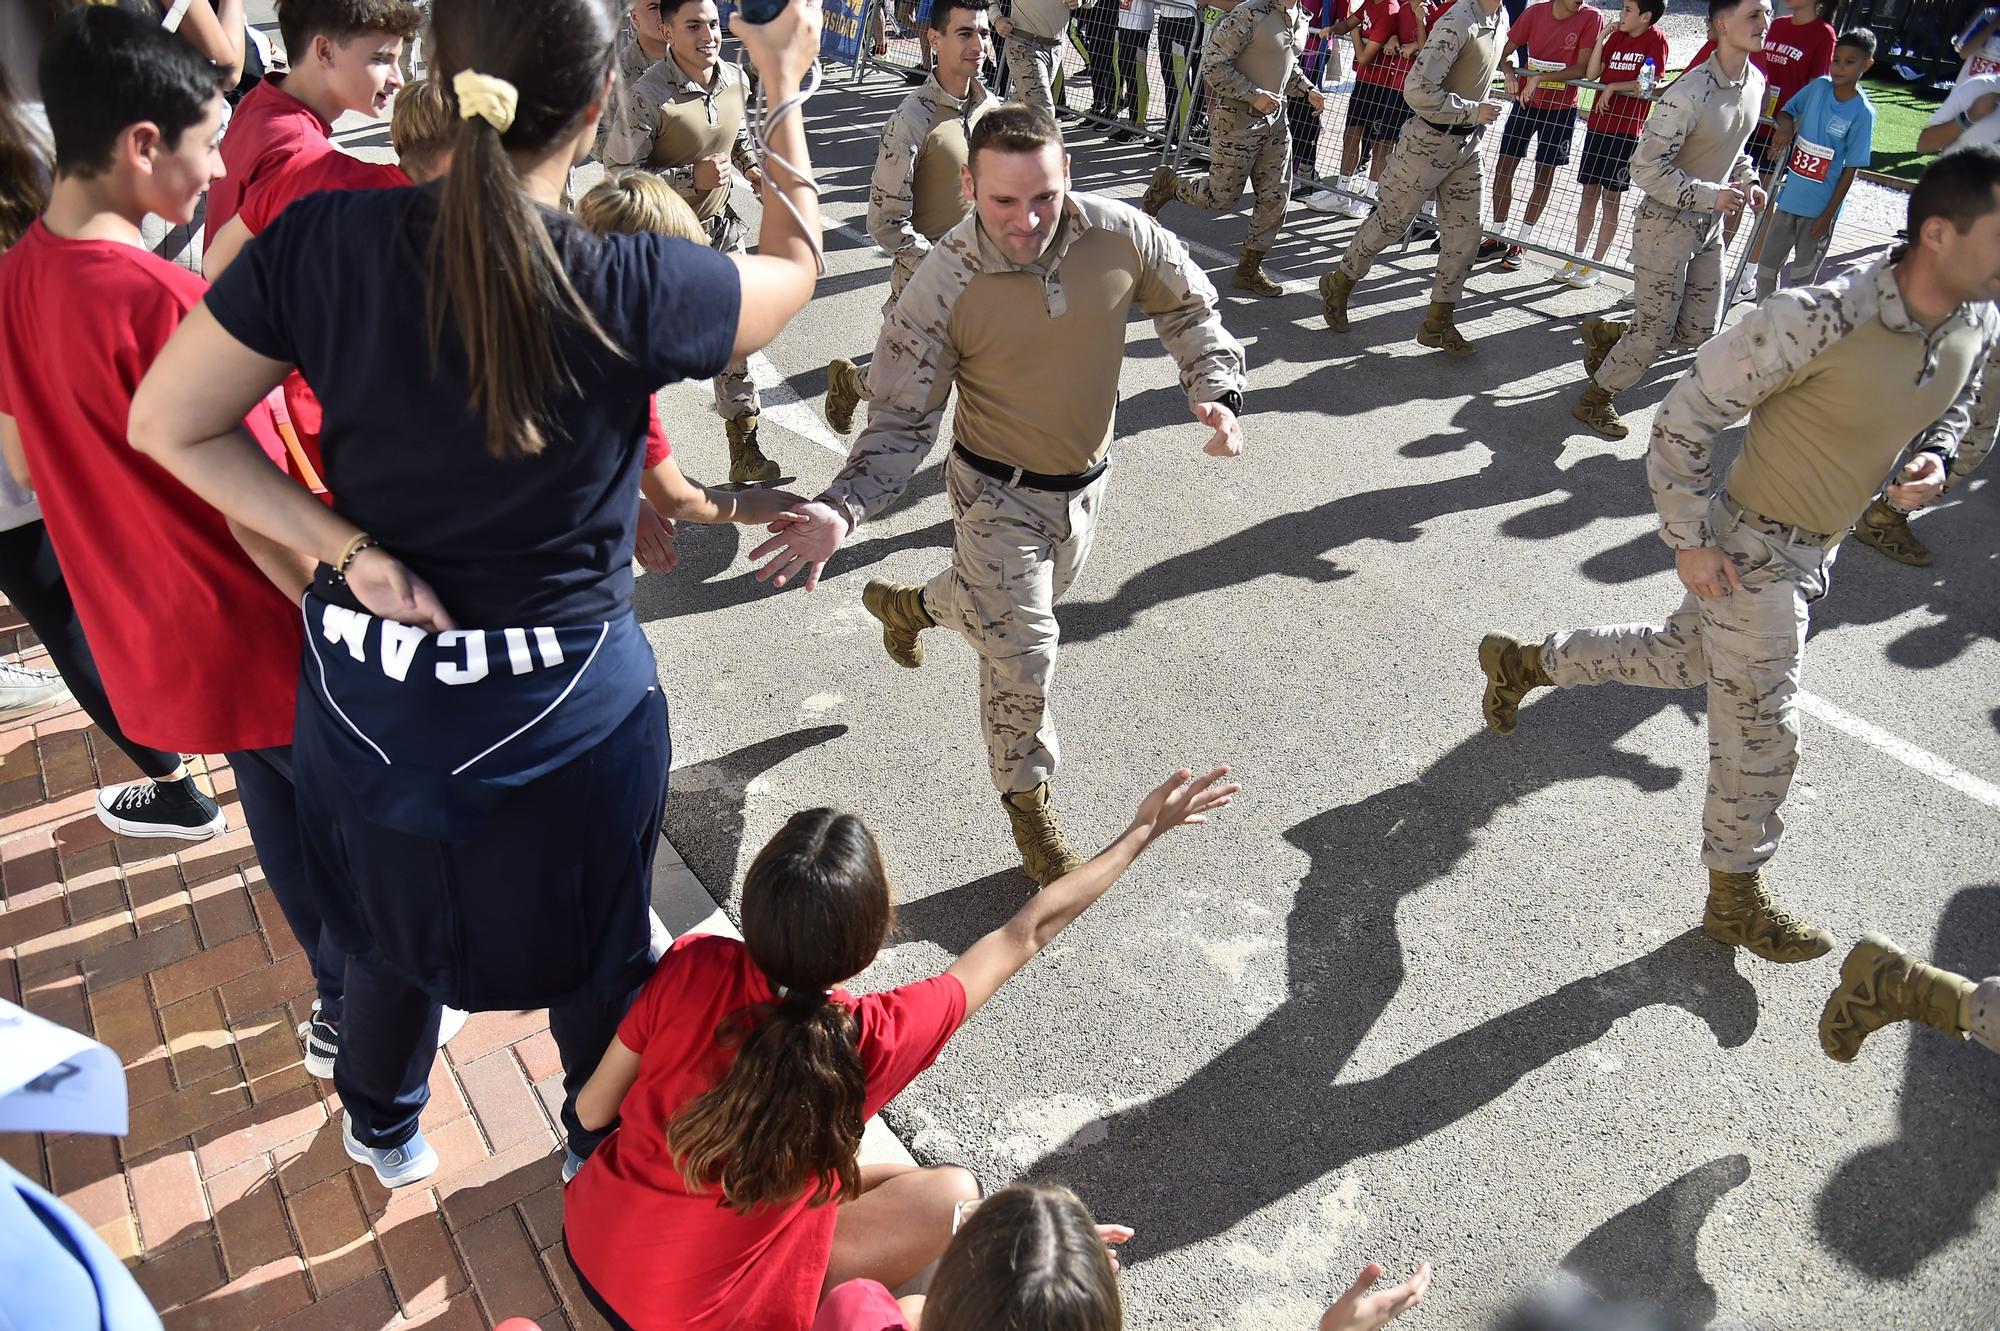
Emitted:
<point x="492" y="100"/>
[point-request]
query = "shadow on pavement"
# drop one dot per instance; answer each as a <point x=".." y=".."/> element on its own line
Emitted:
<point x="1647" y="1253"/>
<point x="705" y="802"/>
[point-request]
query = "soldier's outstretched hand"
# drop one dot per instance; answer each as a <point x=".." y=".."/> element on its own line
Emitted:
<point x="1227" y="441"/>
<point x="806" y="538"/>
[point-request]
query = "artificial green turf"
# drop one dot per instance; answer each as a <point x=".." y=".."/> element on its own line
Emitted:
<point x="1901" y="112"/>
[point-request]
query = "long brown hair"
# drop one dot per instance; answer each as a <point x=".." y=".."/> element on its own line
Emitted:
<point x="1029" y="1256"/>
<point x="786" y="1118"/>
<point x="24" y="168"/>
<point x="492" y="270"/>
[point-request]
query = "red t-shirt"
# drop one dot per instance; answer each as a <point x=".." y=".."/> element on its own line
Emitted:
<point x="1621" y="112"/>
<point x="1794" y="55"/>
<point x="860" y="1305"/>
<point x="199" y="652"/>
<point x="664" y="1256"/>
<point x="1554" y="44"/>
<point x="1395" y="69"/>
<point x="1380" y="20"/>
<point x="271" y="130"/>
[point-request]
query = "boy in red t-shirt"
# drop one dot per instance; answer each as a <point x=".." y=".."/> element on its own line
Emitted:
<point x="344" y="56"/>
<point x="1626" y="60"/>
<point x="1393" y="67"/>
<point x="1558" y="36"/>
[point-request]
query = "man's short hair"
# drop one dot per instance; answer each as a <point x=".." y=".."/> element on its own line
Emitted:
<point x="422" y="123"/>
<point x="940" y="19"/>
<point x="1653" y="9"/>
<point x="1961" y="186"/>
<point x="1013" y="128"/>
<point x="669" y="8"/>
<point x="299" y="21"/>
<point x="105" y="69"/>
<point x="634" y="203"/>
<point x="1717" y="8"/>
<point x="1862" y="39"/>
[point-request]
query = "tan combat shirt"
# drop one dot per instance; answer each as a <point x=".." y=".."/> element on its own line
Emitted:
<point x="1692" y="145"/>
<point x="1255" y="48"/>
<point x="1836" y="380"/>
<point x="1453" y="71"/>
<point x="1035" y="349"/>
<point x="916" y="194"/>
<point x="677" y="120"/>
<point x="1046" y="20"/>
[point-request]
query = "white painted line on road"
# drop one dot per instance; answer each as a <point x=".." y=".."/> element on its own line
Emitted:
<point x="1903" y="751"/>
<point x="786" y="408"/>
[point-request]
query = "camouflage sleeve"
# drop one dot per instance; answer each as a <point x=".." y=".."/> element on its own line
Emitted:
<point x="1230" y="40"/>
<point x="1177" y="294"/>
<point x="892" y="192"/>
<point x="1673" y="119"/>
<point x="1732" y="374"/>
<point x="743" y="152"/>
<point x="1297" y="84"/>
<point x="626" y="137"/>
<point x="1424" y="87"/>
<point x="908" y="382"/>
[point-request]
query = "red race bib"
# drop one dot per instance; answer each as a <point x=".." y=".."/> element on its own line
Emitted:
<point x="1811" y="160"/>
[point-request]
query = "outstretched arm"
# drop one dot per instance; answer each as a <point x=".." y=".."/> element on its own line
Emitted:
<point x="1178" y="295"/>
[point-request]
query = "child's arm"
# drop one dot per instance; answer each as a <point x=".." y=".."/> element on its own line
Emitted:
<point x="676" y="498"/>
<point x="1823" y="225"/>
<point x="222" y="251"/>
<point x="597" y="1103"/>
<point x="1784" y="126"/>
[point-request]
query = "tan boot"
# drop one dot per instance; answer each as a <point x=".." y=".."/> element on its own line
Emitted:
<point x="747" y="463"/>
<point x="1512" y="669"/>
<point x="1044" y="854"/>
<point x="1880" y="984"/>
<point x="1884" y="528"/>
<point x="1334" y="289"/>
<point x="1593" y="407"/>
<point x="1251" y="277"/>
<point x="1741" y="913"/>
<point x="844" y="391"/>
<point x="1159" y="191"/>
<point x="1440" y="332"/>
<point x="1599" y="336"/>
<point x="900" y="607"/>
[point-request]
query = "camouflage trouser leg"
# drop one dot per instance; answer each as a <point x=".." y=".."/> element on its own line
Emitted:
<point x="735" y="391"/>
<point x="1032" y="67"/>
<point x="1747" y="648"/>
<point x="1246" y="146"/>
<point x="1014" y="553"/>
<point x="1676" y="290"/>
<point x="1984" y="1023"/>
<point x="1424" y="160"/>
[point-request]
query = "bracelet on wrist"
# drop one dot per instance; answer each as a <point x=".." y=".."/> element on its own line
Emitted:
<point x="362" y="541"/>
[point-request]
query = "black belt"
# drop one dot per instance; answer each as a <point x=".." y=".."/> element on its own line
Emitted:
<point x="1784" y="531"/>
<point x="1022" y="478"/>
<point x="1456" y="131"/>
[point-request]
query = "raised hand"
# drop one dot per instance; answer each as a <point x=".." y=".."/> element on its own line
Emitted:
<point x="1183" y="799"/>
<point x="1358" y="1310"/>
<point x="806" y="538"/>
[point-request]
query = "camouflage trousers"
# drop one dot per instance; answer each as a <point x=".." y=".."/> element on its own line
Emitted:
<point x="1426" y="160"/>
<point x="1747" y="649"/>
<point x="1246" y="146"/>
<point x="1031" y="69"/>
<point x="735" y="392"/>
<point x="1676" y="290"/>
<point x="902" y="267"/>
<point x="1984" y="1025"/>
<point x="1015" y="552"/>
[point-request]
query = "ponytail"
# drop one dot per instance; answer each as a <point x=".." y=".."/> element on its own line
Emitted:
<point x="786" y="1118"/>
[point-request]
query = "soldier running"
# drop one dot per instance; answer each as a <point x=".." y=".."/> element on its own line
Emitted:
<point x="686" y="124"/>
<point x="918" y="192"/>
<point x="1835" y="379"/>
<point x="1252" y="64"/>
<point x="642" y="43"/>
<point x="1691" y="165"/>
<point x="1450" y="89"/>
<point x="1033" y="33"/>
<point x="1022" y="305"/>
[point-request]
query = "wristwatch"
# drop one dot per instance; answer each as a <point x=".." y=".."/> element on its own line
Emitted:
<point x="1232" y="400"/>
<point x="1965" y="120"/>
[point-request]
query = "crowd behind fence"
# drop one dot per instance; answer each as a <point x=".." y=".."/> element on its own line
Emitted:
<point x="1172" y="106"/>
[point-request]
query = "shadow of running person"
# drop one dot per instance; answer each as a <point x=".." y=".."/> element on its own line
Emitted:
<point x="705" y="802"/>
<point x="1898" y="1203"/>
<point x="1647" y="1253"/>
<point x="1157" y="1163"/>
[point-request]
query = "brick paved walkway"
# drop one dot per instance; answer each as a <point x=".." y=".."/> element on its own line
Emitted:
<point x="231" y="1198"/>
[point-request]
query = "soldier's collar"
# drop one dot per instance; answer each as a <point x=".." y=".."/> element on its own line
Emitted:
<point x="1896" y="317"/>
<point x="692" y="83"/>
<point x="934" y="91"/>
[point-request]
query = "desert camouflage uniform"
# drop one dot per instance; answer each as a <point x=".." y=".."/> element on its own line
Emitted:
<point x="1983" y="1015"/>
<point x="1677" y="238"/>
<point x="1747" y="647"/>
<point x="1245" y="143"/>
<point x="1033" y="52"/>
<point x="1427" y="159"/>
<point x="625" y="110"/>
<point x="923" y="146"/>
<point x="641" y="143"/>
<point x="1016" y="549"/>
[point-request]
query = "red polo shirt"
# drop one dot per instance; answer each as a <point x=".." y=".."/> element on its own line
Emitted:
<point x="270" y="130"/>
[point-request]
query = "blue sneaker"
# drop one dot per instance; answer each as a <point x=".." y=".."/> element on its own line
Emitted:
<point x="394" y="1166"/>
<point x="572" y="1162"/>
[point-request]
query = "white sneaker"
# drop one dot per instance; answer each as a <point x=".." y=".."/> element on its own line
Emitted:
<point x="450" y="1024"/>
<point x="1566" y="272"/>
<point x="1430" y="209"/>
<point x="23" y="691"/>
<point x="1747" y="288"/>
<point x="1582" y="276"/>
<point x="1325" y="201"/>
<point x="394" y="1166"/>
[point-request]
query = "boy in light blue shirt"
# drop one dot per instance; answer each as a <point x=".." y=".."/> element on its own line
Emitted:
<point x="1826" y="133"/>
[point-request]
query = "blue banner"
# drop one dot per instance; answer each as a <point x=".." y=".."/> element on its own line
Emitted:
<point x="840" y="33"/>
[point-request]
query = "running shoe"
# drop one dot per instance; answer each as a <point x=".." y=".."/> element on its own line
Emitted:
<point x="1490" y="249"/>
<point x="1582" y="277"/>
<point x="146" y="808"/>
<point x="23" y="691"/>
<point x="1567" y="271"/>
<point x="322" y="1044"/>
<point x="394" y="1166"/>
<point x="1511" y="261"/>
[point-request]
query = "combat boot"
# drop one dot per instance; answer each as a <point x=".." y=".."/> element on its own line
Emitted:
<point x="1440" y="332"/>
<point x="1880" y="984"/>
<point x="1593" y="407"/>
<point x="1599" y="336"/>
<point x="1334" y="289"/>
<point x="1251" y="277"/>
<point x="844" y="391"/>
<point x="747" y="463"/>
<point x="1160" y="192"/>
<point x="901" y="609"/>
<point x="1741" y="913"/>
<point x="1884" y="528"/>
<point x="1044" y="854"/>
<point x="1512" y="669"/>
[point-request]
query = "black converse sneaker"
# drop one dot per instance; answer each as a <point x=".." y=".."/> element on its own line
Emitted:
<point x="160" y="809"/>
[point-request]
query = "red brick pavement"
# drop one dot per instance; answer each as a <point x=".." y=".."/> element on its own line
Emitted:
<point x="230" y="1198"/>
